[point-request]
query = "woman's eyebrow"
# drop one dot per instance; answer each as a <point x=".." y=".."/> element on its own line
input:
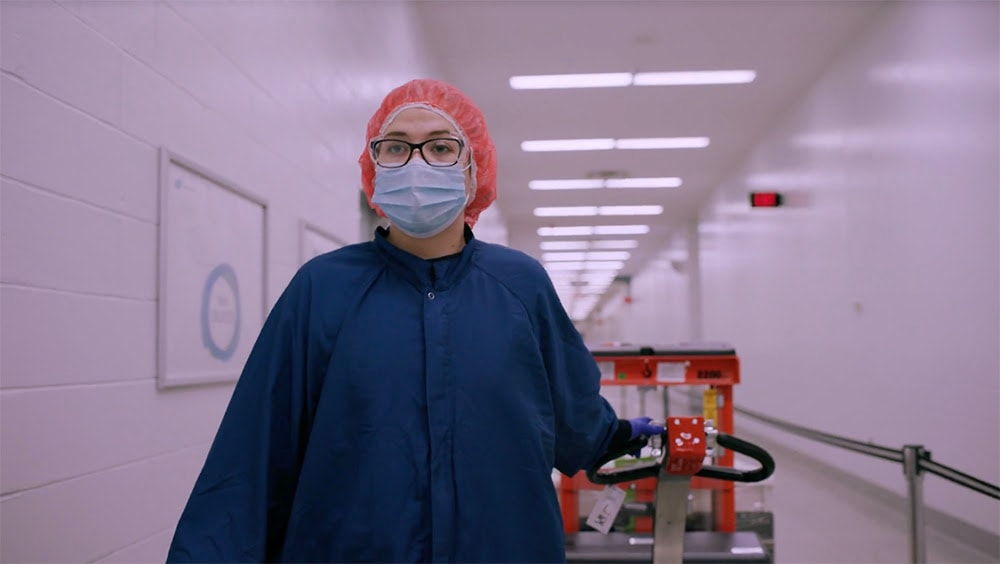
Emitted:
<point x="431" y="134"/>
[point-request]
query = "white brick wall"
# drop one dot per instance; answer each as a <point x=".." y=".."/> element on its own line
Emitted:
<point x="96" y="463"/>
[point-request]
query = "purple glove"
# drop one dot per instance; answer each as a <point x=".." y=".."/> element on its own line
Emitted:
<point x="641" y="427"/>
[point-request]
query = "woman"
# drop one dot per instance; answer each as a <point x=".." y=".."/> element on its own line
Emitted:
<point x="407" y="397"/>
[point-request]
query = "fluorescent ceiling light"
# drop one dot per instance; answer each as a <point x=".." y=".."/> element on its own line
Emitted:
<point x="564" y="245"/>
<point x="595" y="183"/>
<point x="629" y="210"/>
<point x="662" y="182"/>
<point x="621" y="229"/>
<point x="586" y="230"/>
<point x="606" y="244"/>
<point x="550" y="257"/>
<point x="603" y="265"/>
<point x="569" y="184"/>
<point x="593" y="80"/>
<point x="606" y="144"/>
<point x="566" y="211"/>
<point x="574" y="231"/>
<point x="569" y="265"/>
<point x="586" y="265"/>
<point x="609" y="255"/>
<point x="614" y="244"/>
<point x="619" y="79"/>
<point x="693" y="77"/>
<point x="593" y="255"/>
<point x="582" y="211"/>
<point x="662" y="143"/>
<point x="568" y="145"/>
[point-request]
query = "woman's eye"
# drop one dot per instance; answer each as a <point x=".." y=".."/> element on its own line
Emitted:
<point x="444" y="147"/>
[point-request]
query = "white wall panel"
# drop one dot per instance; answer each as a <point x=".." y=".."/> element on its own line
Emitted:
<point x="150" y="549"/>
<point x="50" y="145"/>
<point x="78" y="520"/>
<point x="98" y="427"/>
<point x="132" y="31"/>
<point x="75" y="338"/>
<point x="46" y="46"/>
<point x="53" y="242"/>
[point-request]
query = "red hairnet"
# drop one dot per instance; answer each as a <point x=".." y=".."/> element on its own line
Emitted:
<point x="459" y="109"/>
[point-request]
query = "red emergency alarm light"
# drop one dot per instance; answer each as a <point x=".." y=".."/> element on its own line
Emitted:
<point x="765" y="199"/>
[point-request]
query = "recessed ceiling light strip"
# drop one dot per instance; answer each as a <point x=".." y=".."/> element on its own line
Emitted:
<point x="621" y="79"/>
<point x="584" y="211"/>
<point x="603" y="244"/>
<point x="592" y="255"/>
<point x="588" y="230"/>
<point x="607" y="144"/>
<point x="597" y="183"/>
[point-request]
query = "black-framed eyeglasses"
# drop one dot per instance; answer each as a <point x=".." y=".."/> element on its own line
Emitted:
<point x="394" y="153"/>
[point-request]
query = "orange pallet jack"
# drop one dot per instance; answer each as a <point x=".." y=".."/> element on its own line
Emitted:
<point x="677" y="467"/>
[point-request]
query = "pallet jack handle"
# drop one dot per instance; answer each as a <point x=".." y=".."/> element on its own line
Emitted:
<point x="598" y="475"/>
<point x="680" y="451"/>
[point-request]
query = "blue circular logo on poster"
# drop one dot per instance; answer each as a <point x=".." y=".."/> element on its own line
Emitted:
<point x="220" y="312"/>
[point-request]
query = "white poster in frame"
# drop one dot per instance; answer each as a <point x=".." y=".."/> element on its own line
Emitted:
<point x="314" y="241"/>
<point x="212" y="259"/>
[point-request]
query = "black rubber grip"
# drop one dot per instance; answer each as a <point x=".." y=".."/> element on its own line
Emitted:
<point x="733" y="475"/>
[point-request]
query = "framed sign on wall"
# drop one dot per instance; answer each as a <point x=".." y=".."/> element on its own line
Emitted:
<point x="212" y="259"/>
<point x="314" y="241"/>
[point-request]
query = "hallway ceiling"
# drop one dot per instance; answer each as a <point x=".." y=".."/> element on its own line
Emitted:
<point x="479" y="45"/>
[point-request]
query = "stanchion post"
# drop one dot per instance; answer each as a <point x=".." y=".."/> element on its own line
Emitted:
<point x="912" y="455"/>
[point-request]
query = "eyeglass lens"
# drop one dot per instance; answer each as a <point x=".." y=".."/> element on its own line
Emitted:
<point x="436" y="152"/>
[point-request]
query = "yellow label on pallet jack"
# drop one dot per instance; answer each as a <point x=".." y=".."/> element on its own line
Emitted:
<point x="710" y="406"/>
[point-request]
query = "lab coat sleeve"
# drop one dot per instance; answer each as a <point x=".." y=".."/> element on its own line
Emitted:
<point x="239" y="507"/>
<point x="584" y="421"/>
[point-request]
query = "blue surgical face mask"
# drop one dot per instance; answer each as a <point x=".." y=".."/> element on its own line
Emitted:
<point x="419" y="199"/>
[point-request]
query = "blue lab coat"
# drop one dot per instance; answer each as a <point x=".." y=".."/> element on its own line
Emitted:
<point x="399" y="409"/>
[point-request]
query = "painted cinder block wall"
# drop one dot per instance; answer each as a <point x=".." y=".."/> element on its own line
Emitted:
<point x="96" y="461"/>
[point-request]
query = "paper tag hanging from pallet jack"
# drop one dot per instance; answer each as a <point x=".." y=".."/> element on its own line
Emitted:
<point x="606" y="509"/>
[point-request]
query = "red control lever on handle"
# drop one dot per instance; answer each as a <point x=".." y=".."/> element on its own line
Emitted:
<point x="685" y="446"/>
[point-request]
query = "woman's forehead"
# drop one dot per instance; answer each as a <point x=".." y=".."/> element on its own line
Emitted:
<point x="417" y="121"/>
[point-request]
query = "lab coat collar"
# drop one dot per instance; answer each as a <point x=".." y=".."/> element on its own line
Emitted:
<point x="438" y="274"/>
